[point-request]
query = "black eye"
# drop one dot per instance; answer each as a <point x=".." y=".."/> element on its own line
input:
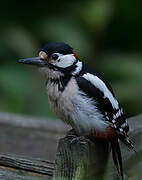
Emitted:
<point x="54" y="56"/>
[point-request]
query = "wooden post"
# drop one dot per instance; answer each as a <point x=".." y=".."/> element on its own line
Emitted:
<point x="80" y="160"/>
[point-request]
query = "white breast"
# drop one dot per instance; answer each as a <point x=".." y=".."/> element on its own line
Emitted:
<point x="62" y="102"/>
<point x="73" y="107"/>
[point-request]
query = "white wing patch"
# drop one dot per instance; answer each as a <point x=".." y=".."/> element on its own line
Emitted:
<point x="98" y="83"/>
<point x="119" y="113"/>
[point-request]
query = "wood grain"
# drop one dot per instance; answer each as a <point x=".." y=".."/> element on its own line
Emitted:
<point x="76" y="158"/>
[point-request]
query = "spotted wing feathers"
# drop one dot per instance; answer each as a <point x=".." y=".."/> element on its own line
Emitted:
<point x="95" y="87"/>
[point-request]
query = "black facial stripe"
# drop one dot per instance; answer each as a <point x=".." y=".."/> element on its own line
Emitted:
<point x="62" y="82"/>
<point x="54" y="56"/>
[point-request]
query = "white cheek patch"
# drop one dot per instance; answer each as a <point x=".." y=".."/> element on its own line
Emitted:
<point x="98" y="83"/>
<point x="65" y="60"/>
<point x="78" y="68"/>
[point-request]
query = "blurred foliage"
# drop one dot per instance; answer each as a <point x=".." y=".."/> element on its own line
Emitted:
<point x="104" y="33"/>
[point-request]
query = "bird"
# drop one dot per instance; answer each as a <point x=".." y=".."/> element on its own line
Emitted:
<point x="82" y="98"/>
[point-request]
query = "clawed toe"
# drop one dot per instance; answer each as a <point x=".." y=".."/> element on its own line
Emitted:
<point x="77" y="139"/>
<point x="71" y="132"/>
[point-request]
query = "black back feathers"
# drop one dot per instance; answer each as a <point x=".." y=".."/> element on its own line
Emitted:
<point x="57" y="47"/>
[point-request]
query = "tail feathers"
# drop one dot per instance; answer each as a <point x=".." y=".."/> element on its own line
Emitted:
<point x="128" y="143"/>
<point x="116" y="154"/>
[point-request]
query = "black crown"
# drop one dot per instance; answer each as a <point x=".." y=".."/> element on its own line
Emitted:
<point x="57" y="47"/>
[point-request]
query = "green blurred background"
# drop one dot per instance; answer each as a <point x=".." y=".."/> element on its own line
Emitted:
<point x="106" y="34"/>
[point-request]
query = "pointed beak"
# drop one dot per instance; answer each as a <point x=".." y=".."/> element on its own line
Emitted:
<point x="37" y="61"/>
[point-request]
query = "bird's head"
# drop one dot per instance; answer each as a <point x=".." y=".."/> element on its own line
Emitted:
<point x="55" y="57"/>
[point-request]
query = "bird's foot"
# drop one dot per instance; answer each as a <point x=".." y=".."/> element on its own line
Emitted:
<point x="75" y="139"/>
<point x="78" y="139"/>
<point x="71" y="134"/>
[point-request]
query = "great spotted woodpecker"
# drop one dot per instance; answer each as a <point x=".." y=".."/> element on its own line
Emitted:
<point x="82" y="98"/>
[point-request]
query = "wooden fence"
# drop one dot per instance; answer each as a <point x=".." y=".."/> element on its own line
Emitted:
<point x="29" y="150"/>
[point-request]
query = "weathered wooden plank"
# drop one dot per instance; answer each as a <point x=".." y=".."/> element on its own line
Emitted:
<point x="80" y="160"/>
<point x="27" y="164"/>
<point x="51" y="125"/>
<point x="17" y="167"/>
<point x="18" y="134"/>
<point x="15" y="174"/>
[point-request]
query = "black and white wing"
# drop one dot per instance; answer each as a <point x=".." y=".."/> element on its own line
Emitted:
<point x="94" y="86"/>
